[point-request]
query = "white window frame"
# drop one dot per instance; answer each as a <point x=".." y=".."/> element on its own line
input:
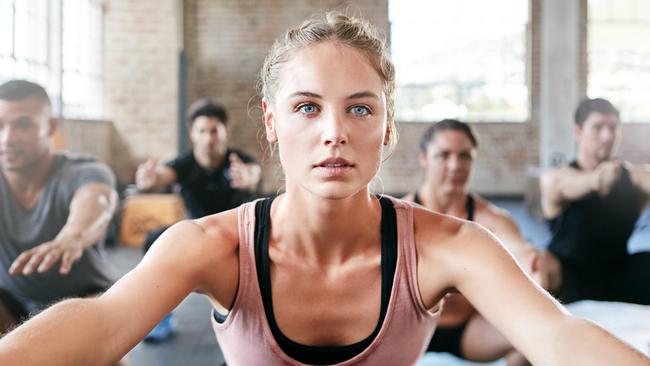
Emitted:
<point x="622" y="64"/>
<point x="75" y="86"/>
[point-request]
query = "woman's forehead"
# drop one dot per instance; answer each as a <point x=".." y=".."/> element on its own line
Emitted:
<point x="328" y="69"/>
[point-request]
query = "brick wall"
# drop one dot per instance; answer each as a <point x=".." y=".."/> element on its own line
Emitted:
<point x="141" y="79"/>
<point x="89" y="137"/>
<point x="634" y="143"/>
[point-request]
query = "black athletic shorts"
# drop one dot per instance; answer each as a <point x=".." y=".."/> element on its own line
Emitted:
<point x="448" y="339"/>
<point x="15" y="307"/>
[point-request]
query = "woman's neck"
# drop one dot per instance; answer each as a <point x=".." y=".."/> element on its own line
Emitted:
<point x="326" y="231"/>
<point x="450" y="203"/>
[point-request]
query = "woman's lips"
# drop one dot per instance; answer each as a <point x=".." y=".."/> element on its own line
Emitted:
<point x="334" y="166"/>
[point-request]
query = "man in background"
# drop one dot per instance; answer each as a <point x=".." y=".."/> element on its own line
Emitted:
<point x="54" y="210"/>
<point x="591" y="207"/>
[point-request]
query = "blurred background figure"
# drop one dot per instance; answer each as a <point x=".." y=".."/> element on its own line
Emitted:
<point x="448" y="150"/>
<point x="591" y="207"/>
<point x="54" y="210"/>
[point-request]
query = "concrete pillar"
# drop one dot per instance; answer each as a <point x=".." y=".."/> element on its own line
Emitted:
<point x="561" y="54"/>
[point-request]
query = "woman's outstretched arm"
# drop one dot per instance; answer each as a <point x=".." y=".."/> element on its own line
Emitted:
<point x="470" y="259"/>
<point x="100" y="331"/>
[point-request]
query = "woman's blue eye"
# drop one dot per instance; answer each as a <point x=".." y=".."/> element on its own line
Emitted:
<point x="307" y="108"/>
<point x="360" y="110"/>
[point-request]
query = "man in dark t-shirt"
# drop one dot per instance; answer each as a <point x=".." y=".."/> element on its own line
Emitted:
<point x="591" y="207"/>
<point x="212" y="177"/>
<point x="209" y="191"/>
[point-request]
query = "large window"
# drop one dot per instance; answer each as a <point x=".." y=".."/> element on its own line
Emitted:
<point x="58" y="44"/>
<point x="460" y="59"/>
<point x="619" y="55"/>
<point x="24" y="40"/>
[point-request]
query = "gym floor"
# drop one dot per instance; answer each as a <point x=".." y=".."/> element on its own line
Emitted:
<point x="195" y="343"/>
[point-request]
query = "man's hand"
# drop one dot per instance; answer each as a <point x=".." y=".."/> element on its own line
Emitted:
<point x="145" y="176"/>
<point x="605" y="176"/>
<point x="43" y="257"/>
<point x="243" y="176"/>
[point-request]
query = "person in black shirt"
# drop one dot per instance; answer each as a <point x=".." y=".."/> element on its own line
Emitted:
<point x="208" y="191"/>
<point x="212" y="177"/>
<point x="591" y="207"/>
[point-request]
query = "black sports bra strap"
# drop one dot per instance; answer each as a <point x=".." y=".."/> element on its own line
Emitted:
<point x="470" y="206"/>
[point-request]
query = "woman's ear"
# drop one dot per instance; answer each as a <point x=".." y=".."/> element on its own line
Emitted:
<point x="269" y="122"/>
<point x="387" y="136"/>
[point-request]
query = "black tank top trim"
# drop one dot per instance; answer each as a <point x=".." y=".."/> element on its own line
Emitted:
<point x="323" y="355"/>
<point x="470" y="205"/>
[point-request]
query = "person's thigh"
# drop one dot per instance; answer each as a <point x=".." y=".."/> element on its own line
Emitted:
<point x="11" y="311"/>
<point x="482" y="342"/>
<point x="631" y="282"/>
<point x="7" y="319"/>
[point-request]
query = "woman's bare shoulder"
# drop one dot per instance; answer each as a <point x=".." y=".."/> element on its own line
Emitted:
<point x="435" y="229"/>
<point x="218" y="232"/>
<point x="220" y="229"/>
<point x="199" y="247"/>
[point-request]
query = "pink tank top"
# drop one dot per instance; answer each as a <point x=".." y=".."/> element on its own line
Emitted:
<point x="245" y="336"/>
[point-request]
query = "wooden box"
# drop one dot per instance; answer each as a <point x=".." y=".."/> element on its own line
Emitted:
<point x="145" y="212"/>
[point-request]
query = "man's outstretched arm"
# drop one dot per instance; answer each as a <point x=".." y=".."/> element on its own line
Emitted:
<point x="91" y="211"/>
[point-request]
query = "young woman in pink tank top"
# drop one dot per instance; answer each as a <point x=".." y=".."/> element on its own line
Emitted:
<point x="306" y="272"/>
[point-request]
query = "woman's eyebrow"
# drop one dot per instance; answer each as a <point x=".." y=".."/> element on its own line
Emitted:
<point x="359" y="95"/>
<point x="364" y="94"/>
<point x="305" y="94"/>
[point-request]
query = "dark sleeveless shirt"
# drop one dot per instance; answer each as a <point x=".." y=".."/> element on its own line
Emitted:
<point x="470" y="205"/>
<point x="593" y="231"/>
